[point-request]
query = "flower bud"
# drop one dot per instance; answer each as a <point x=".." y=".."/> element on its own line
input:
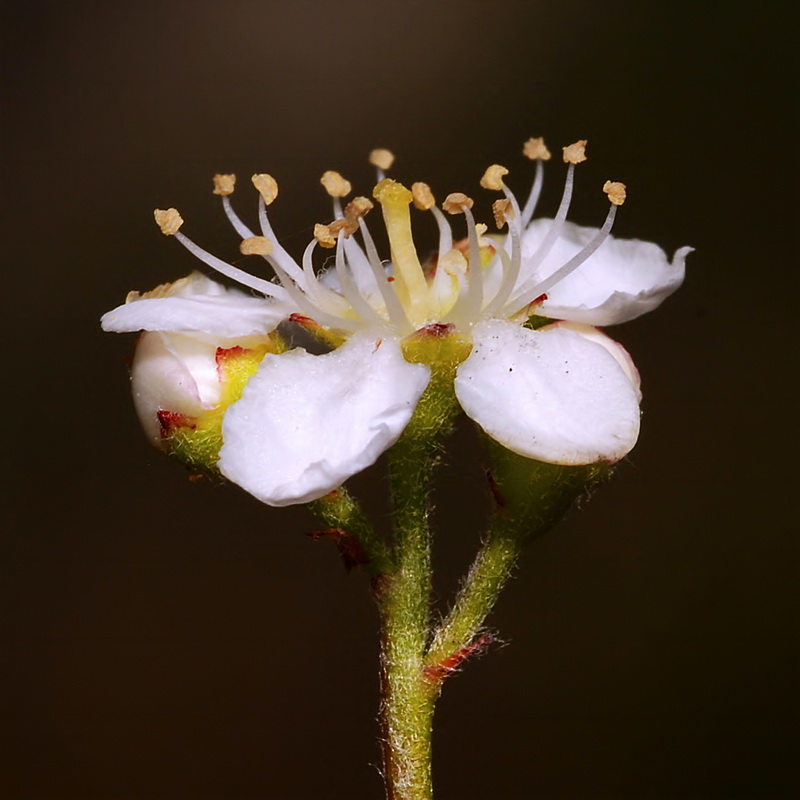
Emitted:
<point x="183" y="384"/>
<point x="200" y="344"/>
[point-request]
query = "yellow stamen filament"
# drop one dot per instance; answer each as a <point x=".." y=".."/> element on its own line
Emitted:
<point x="411" y="285"/>
<point x="255" y="246"/>
<point x="381" y="158"/>
<point x="503" y="211"/>
<point x="324" y="235"/>
<point x="615" y="191"/>
<point x="422" y="196"/>
<point x="169" y="221"/>
<point x="493" y="178"/>
<point x="223" y="184"/>
<point x="536" y="149"/>
<point x="335" y="185"/>
<point x="454" y="201"/>
<point x="267" y="187"/>
<point x="575" y="153"/>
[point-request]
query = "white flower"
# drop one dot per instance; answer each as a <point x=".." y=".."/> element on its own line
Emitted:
<point x="564" y="393"/>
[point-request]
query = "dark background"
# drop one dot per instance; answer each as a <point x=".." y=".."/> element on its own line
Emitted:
<point x="163" y="639"/>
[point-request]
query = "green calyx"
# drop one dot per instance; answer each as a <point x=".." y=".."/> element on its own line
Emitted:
<point x="196" y="441"/>
<point x="442" y="348"/>
<point x="531" y="496"/>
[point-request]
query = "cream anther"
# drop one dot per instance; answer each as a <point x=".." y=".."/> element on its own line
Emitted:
<point x="453" y="263"/>
<point x="535" y="149"/>
<point x="503" y="211"/>
<point x="324" y="236"/>
<point x="169" y="221"/>
<point x="335" y="185"/>
<point x="575" y="153"/>
<point x="358" y="207"/>
<point x="256" y="246"/>
<point x="267" y="187"/>
<point x="223" y="184"/>
<point x="422" y="196"/>
<point x="454" y="202"/>
<point x="615" y="191"/>
<point x="381" y="158"/>
<point x="493" y="178"/>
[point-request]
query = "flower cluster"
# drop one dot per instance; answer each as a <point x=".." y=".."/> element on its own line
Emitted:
<point x="519" y="312"/>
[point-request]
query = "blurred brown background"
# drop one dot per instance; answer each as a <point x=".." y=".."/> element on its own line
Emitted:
<point x="163" y="639"/>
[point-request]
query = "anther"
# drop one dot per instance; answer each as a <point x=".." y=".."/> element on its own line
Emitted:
<point x="324" y="236"/>
<point x="223" y="184"/>
<point x="503" y="211"/>
<point x="454" y="203"/>
<point x="535" y="149"/>
<point x="169" y="221"/>
<point x="575" y="153"/>
<point x="358" y="207"/>
<point x="255" y="246"/>
<point x="615" y="191"/>
<point x="422" y="196"/>
<point x="335" y="185"/>
<point x="381" y="158"/>
<point x="493" y="178"/>
<point x="453" y="263"/>
<point x="267" y="187"/>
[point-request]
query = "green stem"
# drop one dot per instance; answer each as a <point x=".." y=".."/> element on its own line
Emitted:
<point x="341" y="511"/>
<point x="404" y="602"/>
<point x="486" y="578"/>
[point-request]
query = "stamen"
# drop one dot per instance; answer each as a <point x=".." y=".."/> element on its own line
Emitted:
<point x="255" y="246"/>
<point x="503" y="211"/>
<point x="335" y="185"/>
<point x="469" y="309"/>
<point x="493" y="178"/>
<point x="425" y="201"/>
<point x="320" y="294"/>
<point x="324" y="235"/>
<point x="511" y="267"/>
<point x="234" y="219"/>
<point x="474" y="299"/>
<point x="533" y="197"/>
<point x="267" y="187"/>
<point x="280" y="259"/>
<point x="234" y="273"/>
<point x="382" y="160"/>
<point x="455" y="202"/>
<point x="536" y="150"/>
<point x="575" y="153"/>
<point x="579" y="258"/>
<point x="412" y="287"/>
<point x="615" y="191"/>
<point x="223" y="184"/>
<point x="552" y="235"/>
<point x="168" y="220"/>
<point x="350" y="290"/>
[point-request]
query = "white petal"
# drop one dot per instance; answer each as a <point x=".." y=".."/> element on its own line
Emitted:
<point x="306" y="423"/>
<point x="197" y="304"/>
<point x="623" y="279"/>
<point x="552" y="395"/>
<point x="223" y="317"/>
<point x="621" y="355"/>
<point x="162" y="381"/>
